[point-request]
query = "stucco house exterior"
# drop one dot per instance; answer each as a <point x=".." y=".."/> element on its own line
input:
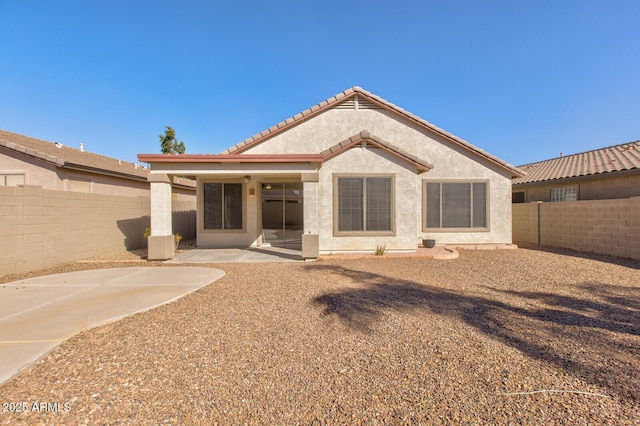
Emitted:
<point x="348" y="174"/>
<point x="29" y="161"/>
<point x="607" y="173"/>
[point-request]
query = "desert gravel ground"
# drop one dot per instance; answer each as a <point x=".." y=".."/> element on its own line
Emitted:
<point x="521" y="336"/>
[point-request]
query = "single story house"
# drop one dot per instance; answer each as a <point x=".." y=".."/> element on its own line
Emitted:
<point x="29" y="161"/>
<point x="605" y="173"/>
<point x="349" y="174"/>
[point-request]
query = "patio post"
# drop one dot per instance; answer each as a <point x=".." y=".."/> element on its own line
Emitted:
<point x="310" y="237"/>
<point x="161" y="244"/>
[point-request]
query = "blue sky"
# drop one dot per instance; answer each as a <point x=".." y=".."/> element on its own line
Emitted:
<point x="524" y="80"/>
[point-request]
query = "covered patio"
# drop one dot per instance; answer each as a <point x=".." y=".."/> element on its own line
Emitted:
<point x="253" y="202"/>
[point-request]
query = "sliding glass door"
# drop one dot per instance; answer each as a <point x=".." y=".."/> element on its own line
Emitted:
<point x="282" y="213"/>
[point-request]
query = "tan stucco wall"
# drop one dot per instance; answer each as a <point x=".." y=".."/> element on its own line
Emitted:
<point x="37" y="172"/>
<point x="449" y="160"/>
<point x="596" y="188"/>
<point x="48" y="176"/>
<point x="369" y="161"/>
<point x="247" y="236"/>
<point x="107" y="185"/>
<point x="181" y="194"/>
<point x="251" y="235"/>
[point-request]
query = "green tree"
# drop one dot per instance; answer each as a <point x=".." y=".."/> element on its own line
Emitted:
<point x="169" y="144"/>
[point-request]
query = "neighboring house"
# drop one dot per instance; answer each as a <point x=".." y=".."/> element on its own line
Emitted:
<point x="348" y="174"/>
<point x="612" y="172"/>
<point x="29" y="161"/>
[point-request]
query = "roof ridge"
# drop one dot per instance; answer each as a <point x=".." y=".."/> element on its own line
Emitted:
<point x="292" y="119"/>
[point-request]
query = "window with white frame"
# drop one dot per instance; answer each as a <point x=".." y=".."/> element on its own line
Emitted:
<point x="76" y="185"/>
<point x="456" y="205"/>
<point x="222" y="206"/>
<point x="566" y="193"/>
<point x="364" y="204"/>
<point x="12" y="179"/>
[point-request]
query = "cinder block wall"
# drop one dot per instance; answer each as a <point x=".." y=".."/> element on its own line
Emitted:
<point x="43" y="228"/>
<point x="524" y="221"/>
<point x="599" y="226"/>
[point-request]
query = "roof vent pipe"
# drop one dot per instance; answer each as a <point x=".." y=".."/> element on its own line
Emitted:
<point x="81" y="146"/>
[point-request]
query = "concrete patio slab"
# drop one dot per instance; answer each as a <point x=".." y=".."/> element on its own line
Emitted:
<point x="239" y="255"/>
<point x="38" y="314"/>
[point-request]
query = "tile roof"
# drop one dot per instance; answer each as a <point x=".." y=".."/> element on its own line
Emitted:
<point x="349" y="93"/>
<point x="64" y="156"/>
<point x="365" y="136"/>
<point x="604" y="160"/>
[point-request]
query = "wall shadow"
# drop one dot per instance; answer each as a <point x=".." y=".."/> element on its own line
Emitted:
<point x="620" y="261"/>
<point x="592" y="336"/>
<point x="183" y="221"/>
<point x="290" y="256"/>
<point x="133" y="231"/>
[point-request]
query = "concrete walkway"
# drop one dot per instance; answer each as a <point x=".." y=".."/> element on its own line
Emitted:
<point x="38" y="314"/>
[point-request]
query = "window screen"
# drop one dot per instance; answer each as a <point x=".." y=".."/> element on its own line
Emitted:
<point x="350" y="204"/>
<point x="365" y="204"/>
<point x="378" y="204"/>
<point x="479" y="215"/>
<point x="232" y="206"/>
<point x="456" y="205"/>
<point x="222" y="206"/>
<point x="433" y="205"/>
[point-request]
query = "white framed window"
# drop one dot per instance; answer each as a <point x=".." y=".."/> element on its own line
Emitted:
<point x="223" y="206"/>
<point x="456" y="205"/>
<point x="364" y="204"/>
<point x="76" y="185"/>
<point x="565" y="193"/>
<point x="12" y="179"/>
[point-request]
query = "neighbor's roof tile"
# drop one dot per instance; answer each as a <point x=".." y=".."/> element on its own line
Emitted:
<point x="611" y="159"/>
<point x="65" y="156"/>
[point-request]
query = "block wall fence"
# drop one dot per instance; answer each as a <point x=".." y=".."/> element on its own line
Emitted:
<point x="42" y="228"/>
<point x="599" y="226"/>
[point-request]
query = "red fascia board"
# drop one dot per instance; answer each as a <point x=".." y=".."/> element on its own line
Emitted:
<point x="230" y="158"/>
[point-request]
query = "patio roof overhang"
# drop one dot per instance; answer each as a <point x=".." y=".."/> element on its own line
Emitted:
<point x="216" y="164"/>
<point x="230" y="158"/>
<point x="232" y="164"/>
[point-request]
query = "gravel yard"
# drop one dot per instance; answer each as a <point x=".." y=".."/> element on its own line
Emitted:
<point x="507" y="336"/>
